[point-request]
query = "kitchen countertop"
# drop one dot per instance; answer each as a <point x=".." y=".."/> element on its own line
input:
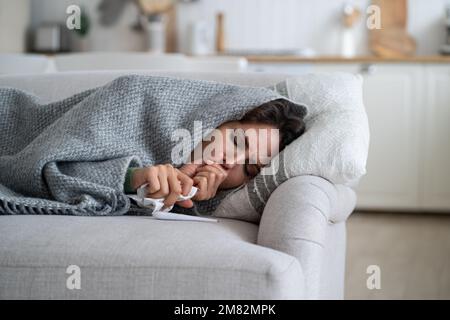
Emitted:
<point x="339" y="59"/>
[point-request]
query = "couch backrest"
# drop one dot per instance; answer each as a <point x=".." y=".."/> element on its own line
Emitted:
<point x="20" y="63"/>
<point x="54" y="86"/>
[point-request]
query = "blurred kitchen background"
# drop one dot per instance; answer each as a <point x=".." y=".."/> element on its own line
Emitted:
<point x="402" y="222"/>
<point x="302" y="27"/>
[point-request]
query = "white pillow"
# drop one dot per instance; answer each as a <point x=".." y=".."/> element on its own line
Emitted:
<point x="334" y="146"/>
<point x="336" y="141"/>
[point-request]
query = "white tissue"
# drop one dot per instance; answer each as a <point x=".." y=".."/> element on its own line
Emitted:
<point x="155" y="206"/>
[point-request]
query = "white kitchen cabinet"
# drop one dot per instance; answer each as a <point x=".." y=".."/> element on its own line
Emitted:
<point x="302" y="68"/>
<point x="282" y="68"/>
<point x="393" y="100"/>
<point x="337" y="67"/>
<point x="408" y="106"/>
<point x="436" y="152"/>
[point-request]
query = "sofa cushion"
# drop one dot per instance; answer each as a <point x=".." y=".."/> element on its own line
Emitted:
<point x="56" y="86"/>
<point x="336" y="142"/>
<point x="141" y="258"/>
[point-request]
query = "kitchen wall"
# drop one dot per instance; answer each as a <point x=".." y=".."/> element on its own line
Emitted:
<point x="13" y="26"/>
<point x="249" y="24"/>
<point x="119" y="37"/>
<point x="279" y="24"/>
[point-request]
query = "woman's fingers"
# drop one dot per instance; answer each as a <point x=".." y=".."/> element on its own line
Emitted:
<point x="216" y="175"/>
<point x="202" y="184"/>
<point x="214" y="168"/>
<point x="174" y="187"/>
<point x="165" y="181"/>
<point x="158" y="186"/>
<point x="151" y="178"/>
<point x="189" y="169"/>
<point x="186" y="182"/>
<point x="221" y="175"/>
<point x="186" y="203"/>
<point x="210" y="182"/>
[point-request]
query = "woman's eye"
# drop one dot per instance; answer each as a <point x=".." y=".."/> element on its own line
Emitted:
<point x="246" y="172"/>
<point x="238" y="139"/>
<point x="254" y="170"/>
<point x="251" y="170"/>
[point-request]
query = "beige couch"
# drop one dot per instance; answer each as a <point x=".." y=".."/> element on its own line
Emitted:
<point x="297" y="251"/>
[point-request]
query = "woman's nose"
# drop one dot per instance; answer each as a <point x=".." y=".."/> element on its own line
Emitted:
<point x="238" y="158"/>
<point x="228" y="159"/>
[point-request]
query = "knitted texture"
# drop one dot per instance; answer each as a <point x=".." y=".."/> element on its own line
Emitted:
<point x="71" y="156"/>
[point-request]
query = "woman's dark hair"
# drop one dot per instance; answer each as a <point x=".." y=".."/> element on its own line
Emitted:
<point x="282" y="114"/>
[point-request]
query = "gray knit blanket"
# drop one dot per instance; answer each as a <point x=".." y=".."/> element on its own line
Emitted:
<point x="71" y="156"/>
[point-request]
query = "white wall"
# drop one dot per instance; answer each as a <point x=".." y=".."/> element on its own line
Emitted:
<point x="119" y="37"/>
<point x="13" y="26"/>
<point x="426" y="24"/>
<point x="276" y="24"/>
<point x="250" y="24"/>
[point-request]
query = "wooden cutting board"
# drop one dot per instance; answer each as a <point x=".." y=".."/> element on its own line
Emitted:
<point x="394" y="13"/>
<point x="392" y="40"/>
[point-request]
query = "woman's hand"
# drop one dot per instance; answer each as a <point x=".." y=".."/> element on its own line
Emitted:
<point x="208" y="179"/>
<point x="164" y="181"/>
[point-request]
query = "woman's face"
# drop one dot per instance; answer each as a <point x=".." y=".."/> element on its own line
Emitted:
<point x="242" y="149"/>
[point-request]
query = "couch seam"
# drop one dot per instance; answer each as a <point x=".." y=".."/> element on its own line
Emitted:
<point x="154" y="267"/>
<point x="294" y="260"/>
<point x="307" y="240"/>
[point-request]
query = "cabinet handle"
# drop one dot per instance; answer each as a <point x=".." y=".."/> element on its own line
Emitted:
<point x="368" y="69"/>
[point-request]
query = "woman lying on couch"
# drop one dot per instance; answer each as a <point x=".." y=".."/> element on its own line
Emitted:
<point x="73" y="156"/>
<point x="276" y="124"/>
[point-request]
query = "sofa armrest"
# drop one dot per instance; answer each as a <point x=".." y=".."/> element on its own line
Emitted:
<point x="296" y="220"/>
